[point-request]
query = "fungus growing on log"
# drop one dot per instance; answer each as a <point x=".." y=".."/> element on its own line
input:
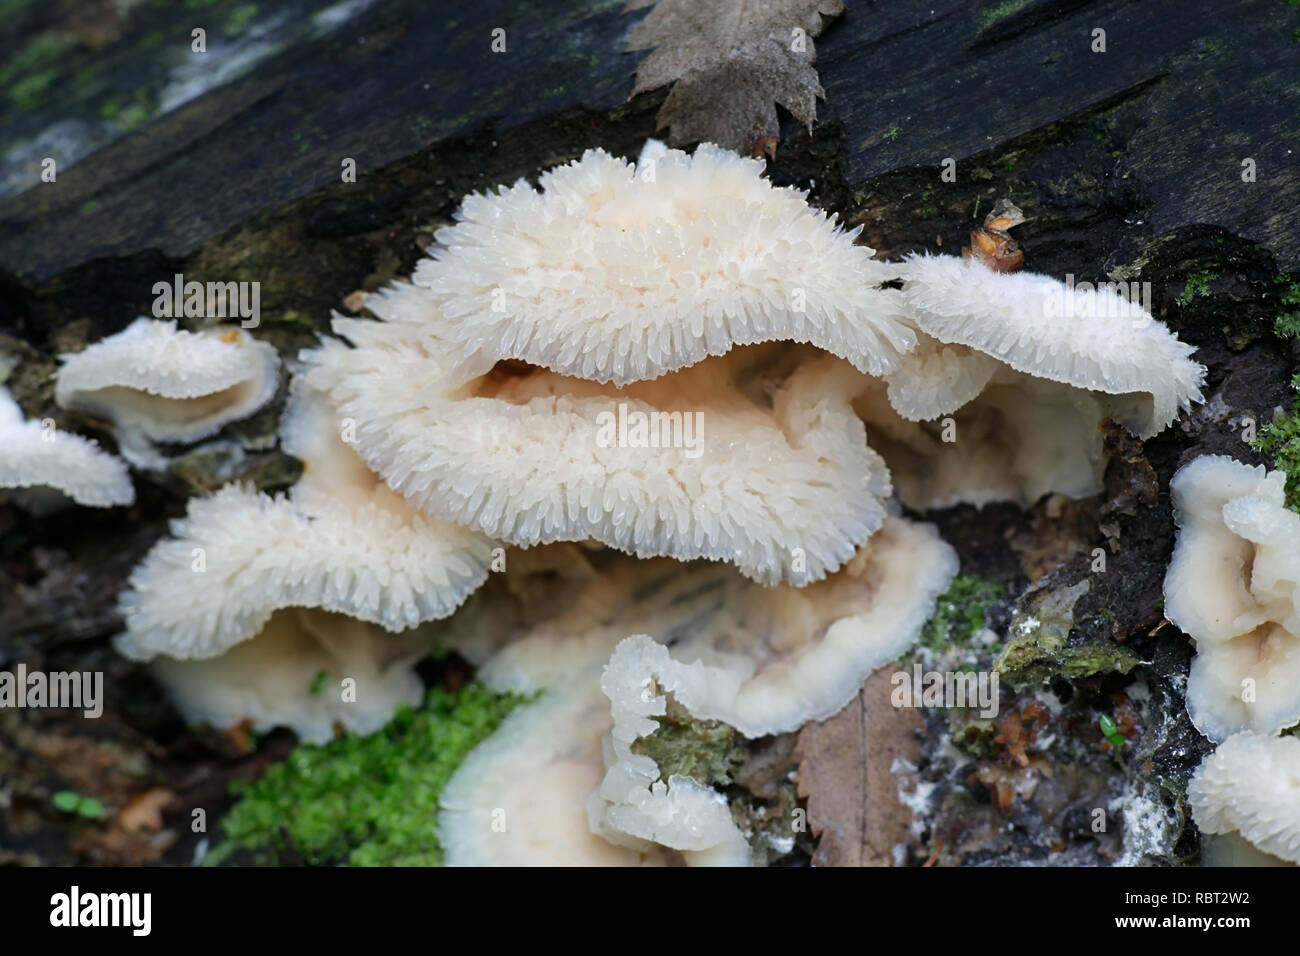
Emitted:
<point x="617" y="274"/>
<point x="1251" y="785"/>
<point x="754" y="457"/>
<point x="1233" y="584"/>
<point x="157" y="383"/>
<point x="44" y="468"/>
<point x="340" y="543"/>
<point x="1013" y="374"/>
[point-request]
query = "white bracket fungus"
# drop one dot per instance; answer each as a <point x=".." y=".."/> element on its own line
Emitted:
<point x="1233" y="584"/>
<point x="44" y="466"/>
<point x="157" y="383"/>
<point x="726" y="460"/>
<point x="518" y="798"/>
<point x="1022" y="370"/>
<point x="615" y="275"/>
<point x="1251" y="785"/>
<point x="769" y="660"/>
<point x="1079" y="336"/>
<point x="340" y="542"/>
<point x="1019" y="439"/>
<point x="764" y="659"/>
<point x="633" y="806"/>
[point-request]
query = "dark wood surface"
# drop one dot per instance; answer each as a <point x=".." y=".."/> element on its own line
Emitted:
<point x="911" y="82"/>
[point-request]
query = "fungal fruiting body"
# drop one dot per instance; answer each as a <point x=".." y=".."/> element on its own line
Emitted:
<point x="770" y="660"/>
<point x="518" y="799"/>
<point x="340" y="543"/>
<point x="157" y="383"/>
<point x="1251" y="785"/>
<point x="1029" y="361"/>
<point x="44" y="467"/>
<point x="560" y="371"/>
<point x="306" y="669"/>
<point x="634" y="806"/>
<point x="1082" y="336"/>
<point x="740" y="458"/>
<point x="675" y="361"/>
<point x="615" y="274"/>
<point x="1233" y="584"/>
<point x="1019" y="439"/>
<point x="765" y="660"/>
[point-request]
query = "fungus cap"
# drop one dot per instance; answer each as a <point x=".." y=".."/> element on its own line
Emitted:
<point x="518" y="798"/>
<point x="156" y="382"/>
<point x="615" y="275"/>
<point x="1085" y="337"/>
<point x="769" y="471"/>
<point x="1233" y="584"/>
<point x="766" y="658"/>
<point x="43" y="465"/>
<point x="340" y="541"/>
<point x="1251" y="784"/>
<point x="767" y="661"/>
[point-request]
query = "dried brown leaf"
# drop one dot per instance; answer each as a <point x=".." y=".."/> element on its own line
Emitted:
<point x="846" y="770"/>
<point x="731" y="62"/>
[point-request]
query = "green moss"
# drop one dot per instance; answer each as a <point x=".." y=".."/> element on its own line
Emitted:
<point x="239" y="19"/>
<point x="26" y="93"/>
<point x="707" y="750"/>
<point x="1198" y="284"/>
<point x="29" y="71"/>
<point x="1038" y="648"/>
<point x="1287" y="325"/>
<point x="365" y="801"/>
<point x="1280" y="439"/>
<point x="890" y="134"/>
<point x="971" y="733"/>
<point x="69" y="801"/>
<point x="960" y="612"/>
<point x="1000" y="11"/>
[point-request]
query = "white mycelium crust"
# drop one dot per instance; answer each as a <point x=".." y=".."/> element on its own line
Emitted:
<point x="614" y="276"/>
<point x="1233" y="584"/>
<point x="1083" y="337"/>
<point x="155" y="382"/>
<point x="44" y="466"/>
<point x="774" y="478"/>
<point x="1251" y="784"/>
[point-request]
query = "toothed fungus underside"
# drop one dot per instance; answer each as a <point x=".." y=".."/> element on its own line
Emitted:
<point x="1027" y="367"/>
<point x="44" y="467"/>
<point x="766" y="659"/>
<point x="739" y="458"/>
<point x="253" y="595"/>
<point x="617" y="275"/>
